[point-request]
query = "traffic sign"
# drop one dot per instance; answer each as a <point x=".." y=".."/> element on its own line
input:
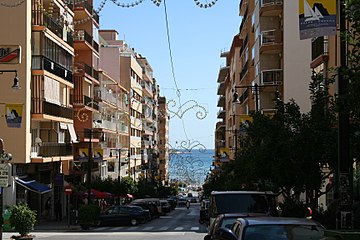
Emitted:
<point x="68" y="190"/>
<point x="5" y="171"/>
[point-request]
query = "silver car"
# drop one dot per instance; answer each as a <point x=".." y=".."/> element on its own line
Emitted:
<point x="273" y="228"/>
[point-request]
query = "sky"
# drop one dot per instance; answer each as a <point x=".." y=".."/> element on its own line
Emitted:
<point x="188" y="78"/>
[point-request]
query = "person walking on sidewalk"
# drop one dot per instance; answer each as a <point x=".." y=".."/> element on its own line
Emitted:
<point x="58" y="210"/>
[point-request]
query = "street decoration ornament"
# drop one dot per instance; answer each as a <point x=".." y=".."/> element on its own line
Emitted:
<point x="185" y="164"/>
<point x="188" y="105"/>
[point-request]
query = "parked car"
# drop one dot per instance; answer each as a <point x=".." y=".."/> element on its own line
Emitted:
<point x="173" y="201"/>
<point x="225" y="220"/>
<point x="273" y="228"/>
<point x="181" y="202"/>
<point x="119" y="214"/>
<point x="148" y="204"/>
<point x="165" y="206"/>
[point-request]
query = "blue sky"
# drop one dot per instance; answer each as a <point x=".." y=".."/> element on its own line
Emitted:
<point x="197" y="37"/>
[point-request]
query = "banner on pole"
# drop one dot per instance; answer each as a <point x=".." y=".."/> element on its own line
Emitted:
<point x="317" y="18"/>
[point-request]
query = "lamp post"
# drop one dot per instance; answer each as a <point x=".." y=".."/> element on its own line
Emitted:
<point x="345" y="167"/>
<point x="119" y="151"/>
<point x="90" y="163"/>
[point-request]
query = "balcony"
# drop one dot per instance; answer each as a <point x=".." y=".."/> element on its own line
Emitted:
<point x="81" y="35"/>
<point x="105" y="124"/>
<point x="271" y="7"/>
<point x="88" y="70"/>
<point x="319" y="51"/>
<point x="244" y="70"/>
<point x="221" y="101"/>
<point x="90" y="102"/>
<point x="221" y="89"/>
<point x="272" y="77"/>
<point x="44" y="63"/>
<point x="221" y="113"/>
<point x="104" y="95"/>
<point x="52" y="149"/>
<point x="40" y="106"/>
<point x="271" y="41"/>
<point x="41" y="19"/>
<point x="223" y="73"/>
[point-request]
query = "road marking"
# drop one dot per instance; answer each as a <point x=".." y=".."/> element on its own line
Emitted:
<point x="195" y="229"/>
<point x="164" y="228"/>
<point x="179" y="229"/>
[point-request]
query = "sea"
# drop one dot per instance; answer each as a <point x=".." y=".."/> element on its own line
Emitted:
<point x="191" y="167"/>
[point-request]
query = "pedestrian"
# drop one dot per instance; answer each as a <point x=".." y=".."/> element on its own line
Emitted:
<point x="58" y="210"/>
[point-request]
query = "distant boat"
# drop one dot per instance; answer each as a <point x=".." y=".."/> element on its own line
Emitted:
<point x="310" y="14"/>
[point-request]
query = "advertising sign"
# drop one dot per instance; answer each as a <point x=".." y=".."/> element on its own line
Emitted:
<point x="10" y="54"/>
<point x="13" y="113"/>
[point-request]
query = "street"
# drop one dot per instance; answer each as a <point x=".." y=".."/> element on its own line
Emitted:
<point x="182" y="223"/>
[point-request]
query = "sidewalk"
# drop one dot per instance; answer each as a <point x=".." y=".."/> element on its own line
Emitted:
<point x="52" y="225"/>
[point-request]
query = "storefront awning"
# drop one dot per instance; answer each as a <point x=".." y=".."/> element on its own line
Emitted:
<point x="33" y="185"/>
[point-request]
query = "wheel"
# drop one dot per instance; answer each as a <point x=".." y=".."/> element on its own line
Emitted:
<point x="133" y="222"/>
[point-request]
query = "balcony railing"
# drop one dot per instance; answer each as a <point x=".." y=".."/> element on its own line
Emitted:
<point x="96" y="46"/>
<point x="273" y="77"/>
<point x="244" y="70"/>
<point x="102" y="123"/>
<point x="105" y="96"/>
<point x="271" y="2"/>
<point x="270" y="37"/>
<point x="40" y="106"/>
<point x="319" y="47"/>
<point x="42" y="19"/>
<point x="82" y="35"/>
<point x="96" y="17"/>
<point x="44" y="63"/>
<point x="51" y="149"/>
<point x="91" y="102"/>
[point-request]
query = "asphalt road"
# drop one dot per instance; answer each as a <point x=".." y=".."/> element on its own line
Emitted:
<point x="180" y="224"/>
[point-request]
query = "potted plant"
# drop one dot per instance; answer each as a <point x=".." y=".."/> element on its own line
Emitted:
<point x="88" y="216"/>
<point x="23" y="220"/>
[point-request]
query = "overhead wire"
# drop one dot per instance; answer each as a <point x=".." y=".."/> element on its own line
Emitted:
<point x="172" y="64"/>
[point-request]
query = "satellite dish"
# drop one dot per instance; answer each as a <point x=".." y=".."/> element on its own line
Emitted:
<point x="38" y="141"/>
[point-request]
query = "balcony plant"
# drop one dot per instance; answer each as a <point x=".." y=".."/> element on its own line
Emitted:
<point x="88" y="216"/>
<point x="23" y="220"/>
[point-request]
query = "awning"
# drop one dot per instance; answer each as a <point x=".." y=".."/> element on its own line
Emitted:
<point x="72" y="133"/>
<point x="33" y="185"/>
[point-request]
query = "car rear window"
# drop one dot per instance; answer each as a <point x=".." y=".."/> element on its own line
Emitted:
<point x="241" y="203"/>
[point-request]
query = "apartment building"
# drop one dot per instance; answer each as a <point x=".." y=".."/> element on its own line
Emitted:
<point x="118" y="144"/>
<point x="86" y="80"/>
<point x="41" y="142"/>
<point x="267" y="60"/>
<point x="149" y="123"/>
<point x="163" y="146"/>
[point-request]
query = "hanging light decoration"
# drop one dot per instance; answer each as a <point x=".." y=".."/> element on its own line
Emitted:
<point x="205" y="5"/>
<point x="127" y="5"/>
<point x="156" y="2"/>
